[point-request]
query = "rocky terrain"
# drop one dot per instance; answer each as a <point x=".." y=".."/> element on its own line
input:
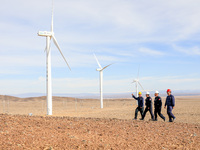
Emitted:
<point x="81" y="124"/>
<point x="47" y="133"/>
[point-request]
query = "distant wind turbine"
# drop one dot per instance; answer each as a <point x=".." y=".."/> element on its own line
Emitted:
<point x="50" y="35"/>
<point x="137" y="82"/>
<point x="100" y="69"/>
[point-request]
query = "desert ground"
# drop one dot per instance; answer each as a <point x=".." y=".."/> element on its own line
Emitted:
<point x="187" y="108"/>
<point x="81" y="124"/>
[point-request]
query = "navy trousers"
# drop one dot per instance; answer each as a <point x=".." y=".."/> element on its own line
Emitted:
<point x="146" y="110"/>
<point x="169" y="112"/>
<point x="139" y="109"/>
<point x="158" y="111"/>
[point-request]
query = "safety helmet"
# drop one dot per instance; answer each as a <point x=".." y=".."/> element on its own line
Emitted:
<point x="148" y="93"/>
<point x="168" y="90"/>
<point x="156" y="92"/>
<point x="140" y="93"/>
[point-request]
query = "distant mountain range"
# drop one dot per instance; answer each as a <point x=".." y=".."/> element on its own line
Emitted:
<point x="107" y="95"/>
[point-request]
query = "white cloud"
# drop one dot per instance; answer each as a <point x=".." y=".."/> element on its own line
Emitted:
<point x="59" y="85"/>
<point x="174" y="82"/>
<point x="91" y="85"/>
<point x="108" y="21"/>
<point x="188" y="50"/>
<point x="150" y="52"/>
<point x="152" y="20"/>
<point x="22" y="60"/>
<point x="108" y="27"/>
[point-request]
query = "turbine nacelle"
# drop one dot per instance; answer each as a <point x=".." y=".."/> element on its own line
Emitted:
<point x="99" y="69"/>
<point x="45" y="33"/>
<point x="136" y="80"/>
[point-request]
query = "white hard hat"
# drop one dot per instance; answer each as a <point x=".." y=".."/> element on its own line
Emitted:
<point x="147" y="93"/>
<point x="156" y="92"/>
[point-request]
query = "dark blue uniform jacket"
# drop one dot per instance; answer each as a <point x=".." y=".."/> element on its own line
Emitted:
<point x="140" y="101"/>
<point x="148" y="101"/>
<point x="158" y="102"/>
<point x="170" y="101"/>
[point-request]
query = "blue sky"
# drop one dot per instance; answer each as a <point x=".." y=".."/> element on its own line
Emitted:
<point x="163" y="37"/>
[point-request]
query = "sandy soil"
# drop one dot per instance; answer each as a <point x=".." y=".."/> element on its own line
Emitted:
<point x="112" y="128"/>
<point x="186" y="109"/>
<point x="25" y="132"/>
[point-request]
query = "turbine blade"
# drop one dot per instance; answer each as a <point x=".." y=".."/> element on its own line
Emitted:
<point x="45" y="49"/>
<point x="140" y="85"/>
<point x="52" y="18"/>
<point x="106" y="66"/>
<point x="138" y="72"/>
<point x="133" y="82"/>
<point x="56" y="43"/>
<point x="97" y="61"/>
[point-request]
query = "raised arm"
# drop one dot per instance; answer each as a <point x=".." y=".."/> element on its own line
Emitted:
<point x="134" y="97"/>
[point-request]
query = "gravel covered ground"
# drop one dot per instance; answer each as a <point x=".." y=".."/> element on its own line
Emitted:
<point x="37" y="132"/>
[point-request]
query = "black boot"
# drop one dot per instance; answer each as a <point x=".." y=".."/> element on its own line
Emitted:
<point x="164" y="118"/>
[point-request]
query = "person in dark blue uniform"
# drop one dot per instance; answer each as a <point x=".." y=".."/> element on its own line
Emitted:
<point x="140" y="107"/>
<point x="148" y="103"/>
<point x="158" y="106"/>
<point x="170" y="103"/>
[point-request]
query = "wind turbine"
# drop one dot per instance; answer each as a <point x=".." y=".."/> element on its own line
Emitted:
<point x="137" y="82"/>
<point x="100" y="69"/>
<point x="50" y="35"/>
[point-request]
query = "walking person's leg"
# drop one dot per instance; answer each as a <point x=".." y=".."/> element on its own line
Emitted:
<point x="152" y="116"/>
<point x="141" y="111"/>
<point x="170" y="113"/>
<point x="169" y="109"/>
<point x="144" y="114"/>
<point x="161" y="115"/>
<point x="136" y="112"/>
<point x="155" y="113"/>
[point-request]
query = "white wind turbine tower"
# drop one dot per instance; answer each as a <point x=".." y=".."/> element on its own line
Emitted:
<point x="50" y="35"/>
<point x="100" y="69"/>
<point x="137" y="82"/>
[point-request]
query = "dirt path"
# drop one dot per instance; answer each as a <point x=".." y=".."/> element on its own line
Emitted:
<point x="35" y="132"/>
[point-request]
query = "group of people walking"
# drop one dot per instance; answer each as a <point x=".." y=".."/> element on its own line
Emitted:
<point x="170" y="103"/>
